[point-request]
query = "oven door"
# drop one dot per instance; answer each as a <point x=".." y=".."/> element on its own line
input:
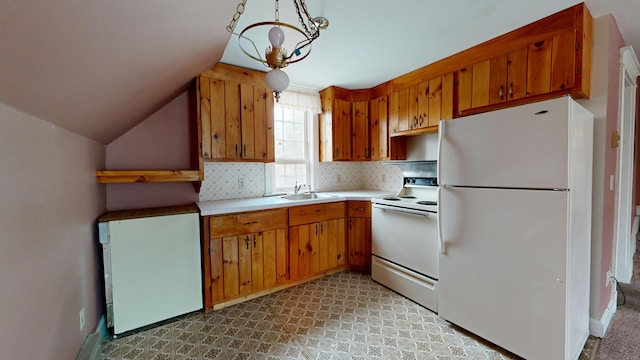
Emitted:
<point x="406" y="237"/>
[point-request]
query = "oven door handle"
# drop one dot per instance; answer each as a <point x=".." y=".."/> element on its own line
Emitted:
<point x="401" y="210"/>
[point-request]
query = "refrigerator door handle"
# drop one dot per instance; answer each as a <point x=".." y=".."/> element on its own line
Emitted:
<point x="439" y="222"/>
<point x="441" y="127"/>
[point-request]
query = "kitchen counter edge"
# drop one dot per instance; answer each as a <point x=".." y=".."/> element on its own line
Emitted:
<point x="221" y="207"/>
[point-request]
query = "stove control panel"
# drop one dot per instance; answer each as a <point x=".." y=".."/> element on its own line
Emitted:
<point x="421" y="181"/>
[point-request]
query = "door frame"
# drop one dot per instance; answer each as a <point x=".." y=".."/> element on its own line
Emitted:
<point x="625" y="235"/>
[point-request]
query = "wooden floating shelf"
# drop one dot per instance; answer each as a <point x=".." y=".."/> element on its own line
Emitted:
<point x="136" y="176"/>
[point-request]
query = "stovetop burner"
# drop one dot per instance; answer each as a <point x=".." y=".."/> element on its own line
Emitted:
<point x="392" y="198"/>
<point x="424" y="202"/>
<point x="407" y="196"/>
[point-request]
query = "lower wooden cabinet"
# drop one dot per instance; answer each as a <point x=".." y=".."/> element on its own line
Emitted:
<point x="359" y="235"/>
<point x="315" y="248"/>
<point x="244" y="254"/>
<point x="317" y="241"/>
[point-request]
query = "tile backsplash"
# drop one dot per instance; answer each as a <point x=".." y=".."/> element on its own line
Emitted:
<point x="221" y="178"/>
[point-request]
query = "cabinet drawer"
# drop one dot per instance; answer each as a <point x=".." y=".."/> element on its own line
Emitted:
<point x="307" y="214"/>
<point x="359" y="209"/>
<point x="246" y="223"/>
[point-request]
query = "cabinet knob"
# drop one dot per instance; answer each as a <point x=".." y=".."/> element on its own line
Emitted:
<point x="500" y="92"/>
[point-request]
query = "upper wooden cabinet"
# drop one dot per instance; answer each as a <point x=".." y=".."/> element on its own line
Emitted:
<point x="379" y="128"/>
<point x="419" y="107"/>
<point x="548" y="58"/>
<point x="543" y="67"/>
<point x="335" y="124"/>
<point x="235" y="113"/>
<point x="360" y="126"/>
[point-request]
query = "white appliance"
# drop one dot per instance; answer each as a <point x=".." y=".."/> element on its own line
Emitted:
<point x="151" y="265"/>
<point x="404" y="236"/>
<point x="515" y="226"/>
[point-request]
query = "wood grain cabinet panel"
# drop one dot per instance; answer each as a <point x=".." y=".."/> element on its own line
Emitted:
<point x="235" y="115"/>
<point x="360" y="130"/>
<point x="359" y="235"/>
<point x="318" y="245"/>
<point x="335" y="124"/>
<point x="244" y="254"/>
<point x="379" y="128"/>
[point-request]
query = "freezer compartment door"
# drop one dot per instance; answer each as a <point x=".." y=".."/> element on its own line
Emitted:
<point x="521" y="147"/>
<point x="503" y="269"/>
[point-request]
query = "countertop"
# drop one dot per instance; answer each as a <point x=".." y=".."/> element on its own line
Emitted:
<point x="217" y="207"/>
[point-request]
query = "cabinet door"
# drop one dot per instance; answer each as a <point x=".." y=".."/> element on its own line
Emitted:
<point x="298" y="253"/>
<point x="563" y="61"/>
<point x="508" y="77"/>
<point x="230" y="267"/>
<point x="379" y="128"/>
<point x="212" y="114"/>
<point x="360" y="130"/>
<point x="336" y="242"/>
<point x="359" y="235"/>
<point x="359" y="243"/>
<point x="268" y="259"/>
<point x="539" y="67"/>
<point x="481" y="84"/>
<point x="342" y="130"/>
<point x="403" y="110"/>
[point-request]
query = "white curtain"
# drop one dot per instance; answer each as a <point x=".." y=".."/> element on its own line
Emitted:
<point x="300" y="100"/>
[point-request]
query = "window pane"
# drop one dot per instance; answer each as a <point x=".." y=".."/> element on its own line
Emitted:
<point x="290" y="134"/>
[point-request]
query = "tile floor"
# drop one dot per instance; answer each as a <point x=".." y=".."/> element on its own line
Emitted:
<point x="342" y="316"/>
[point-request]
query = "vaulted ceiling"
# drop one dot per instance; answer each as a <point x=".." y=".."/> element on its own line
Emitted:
<point x="100" y="67"/>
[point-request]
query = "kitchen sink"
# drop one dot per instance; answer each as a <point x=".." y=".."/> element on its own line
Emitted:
<point x="307" y="196"/>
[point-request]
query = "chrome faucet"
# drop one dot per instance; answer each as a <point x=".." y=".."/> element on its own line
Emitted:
<point x="296" y="187"/>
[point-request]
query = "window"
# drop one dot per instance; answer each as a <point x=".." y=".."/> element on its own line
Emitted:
<point x="291" y="147"/>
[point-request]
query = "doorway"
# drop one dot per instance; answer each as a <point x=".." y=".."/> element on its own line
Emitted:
<point x="626" y="234"/>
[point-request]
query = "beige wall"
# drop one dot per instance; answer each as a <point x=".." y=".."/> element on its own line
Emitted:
<point x="49" y="254"/>
<point x="604" y="105"/>
<point x="164" y="141"/>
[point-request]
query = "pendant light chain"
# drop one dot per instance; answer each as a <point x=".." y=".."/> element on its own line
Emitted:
<point x="236" y="16"/>
<point x="277" y="11"/>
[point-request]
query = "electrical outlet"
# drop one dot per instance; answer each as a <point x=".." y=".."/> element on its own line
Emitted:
<point x="338" y="178"/>
<point x="610" y="278"/>
<point x="240" y="184"/>
<point x="384" y="178"/>
<point x="82" y="319"/>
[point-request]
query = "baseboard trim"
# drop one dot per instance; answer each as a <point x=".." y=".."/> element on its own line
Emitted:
<point x="598" y="327"/>
<point x="92" y="343"/>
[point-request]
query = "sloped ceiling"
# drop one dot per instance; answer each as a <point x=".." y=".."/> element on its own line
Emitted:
<point x="99" y="67"/>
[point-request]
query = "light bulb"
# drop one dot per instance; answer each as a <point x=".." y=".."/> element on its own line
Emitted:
<point x="276" y="80"/>
<point x="276" y="36"/>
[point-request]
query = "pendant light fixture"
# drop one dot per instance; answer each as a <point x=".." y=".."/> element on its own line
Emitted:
<point x="276" y="56"/>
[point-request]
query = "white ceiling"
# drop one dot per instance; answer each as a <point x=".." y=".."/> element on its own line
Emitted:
<point x="100" y="67"/>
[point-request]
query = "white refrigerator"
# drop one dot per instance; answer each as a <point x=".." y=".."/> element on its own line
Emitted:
<point x="515" y="226"/>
